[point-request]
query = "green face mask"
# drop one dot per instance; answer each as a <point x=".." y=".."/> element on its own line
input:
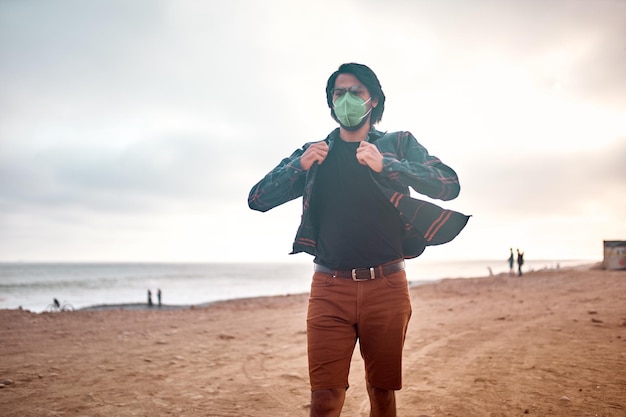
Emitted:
<point x="351" y="111"/>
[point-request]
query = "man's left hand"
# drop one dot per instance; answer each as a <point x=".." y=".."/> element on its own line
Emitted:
<point x="369" y="155"/>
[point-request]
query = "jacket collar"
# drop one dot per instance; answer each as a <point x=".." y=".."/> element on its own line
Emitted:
<point x="372" y="136"/>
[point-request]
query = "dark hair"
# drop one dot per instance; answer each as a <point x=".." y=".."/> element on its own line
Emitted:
<point x="365" y="75"/>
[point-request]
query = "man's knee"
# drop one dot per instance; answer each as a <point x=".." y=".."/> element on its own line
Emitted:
<point x="382" y="399"/>
<point x="327" y="402"/>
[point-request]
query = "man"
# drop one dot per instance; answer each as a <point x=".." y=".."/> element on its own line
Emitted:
<point x="360" y="223"/>
<point x="520" y="262"/>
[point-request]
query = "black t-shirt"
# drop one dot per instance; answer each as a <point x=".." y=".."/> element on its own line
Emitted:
<point x="357" y="226"/>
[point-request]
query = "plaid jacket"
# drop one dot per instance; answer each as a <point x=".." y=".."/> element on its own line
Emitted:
<point x="406" y="164"/>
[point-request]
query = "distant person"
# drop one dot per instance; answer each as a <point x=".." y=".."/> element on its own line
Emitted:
<point x="159" y="296"/>
<point x="520" y="262"/>
<point x="360" y="223"/>
<point x="149" y="298"/>
<point x="511" y="261"/>
<point x="57" y="305"/>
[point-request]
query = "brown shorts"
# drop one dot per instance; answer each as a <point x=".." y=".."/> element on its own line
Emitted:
<point x="375" y="312"/>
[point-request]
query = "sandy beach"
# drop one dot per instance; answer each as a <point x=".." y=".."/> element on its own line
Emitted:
<point x="550" y="343"/>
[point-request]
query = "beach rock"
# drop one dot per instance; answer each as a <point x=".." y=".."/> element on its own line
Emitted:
<point x="6" y="382"/>
<point x="565" y="398"/>
<point x="594" y="320"/>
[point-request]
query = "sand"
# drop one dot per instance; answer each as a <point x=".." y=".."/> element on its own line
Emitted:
<point x="551" y="343"/>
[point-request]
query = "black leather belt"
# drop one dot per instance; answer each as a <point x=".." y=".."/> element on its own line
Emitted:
<point x="362" y="274"/>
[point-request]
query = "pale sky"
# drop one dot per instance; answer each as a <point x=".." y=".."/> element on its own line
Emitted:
<point x="133" y="131"/>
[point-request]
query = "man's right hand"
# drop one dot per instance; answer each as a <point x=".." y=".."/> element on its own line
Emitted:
<point x="314" y="153"/>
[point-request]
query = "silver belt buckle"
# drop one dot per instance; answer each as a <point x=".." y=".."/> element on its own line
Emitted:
<point x="372" y="275"/>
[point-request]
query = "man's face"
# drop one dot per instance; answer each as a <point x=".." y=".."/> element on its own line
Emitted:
<point x="348" y="86"/>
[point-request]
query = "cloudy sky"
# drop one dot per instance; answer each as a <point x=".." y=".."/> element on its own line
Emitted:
<point x="133" y="131"/>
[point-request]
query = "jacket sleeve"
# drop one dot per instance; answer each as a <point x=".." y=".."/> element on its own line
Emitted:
<point x="406" y="161"/>
<point x="284" y="183"/>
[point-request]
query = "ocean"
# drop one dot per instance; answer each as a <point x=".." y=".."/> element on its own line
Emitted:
<point x="33" y="286"/>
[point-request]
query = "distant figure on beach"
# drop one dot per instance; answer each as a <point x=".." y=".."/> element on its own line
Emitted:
<point x="511" y="261"/>
<point x="360" y="223"/>
<point x="520" y="262"/>
<point x="149" y="298"/>
<point x="159" y="296"/>
<point x="57" y="306"/>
